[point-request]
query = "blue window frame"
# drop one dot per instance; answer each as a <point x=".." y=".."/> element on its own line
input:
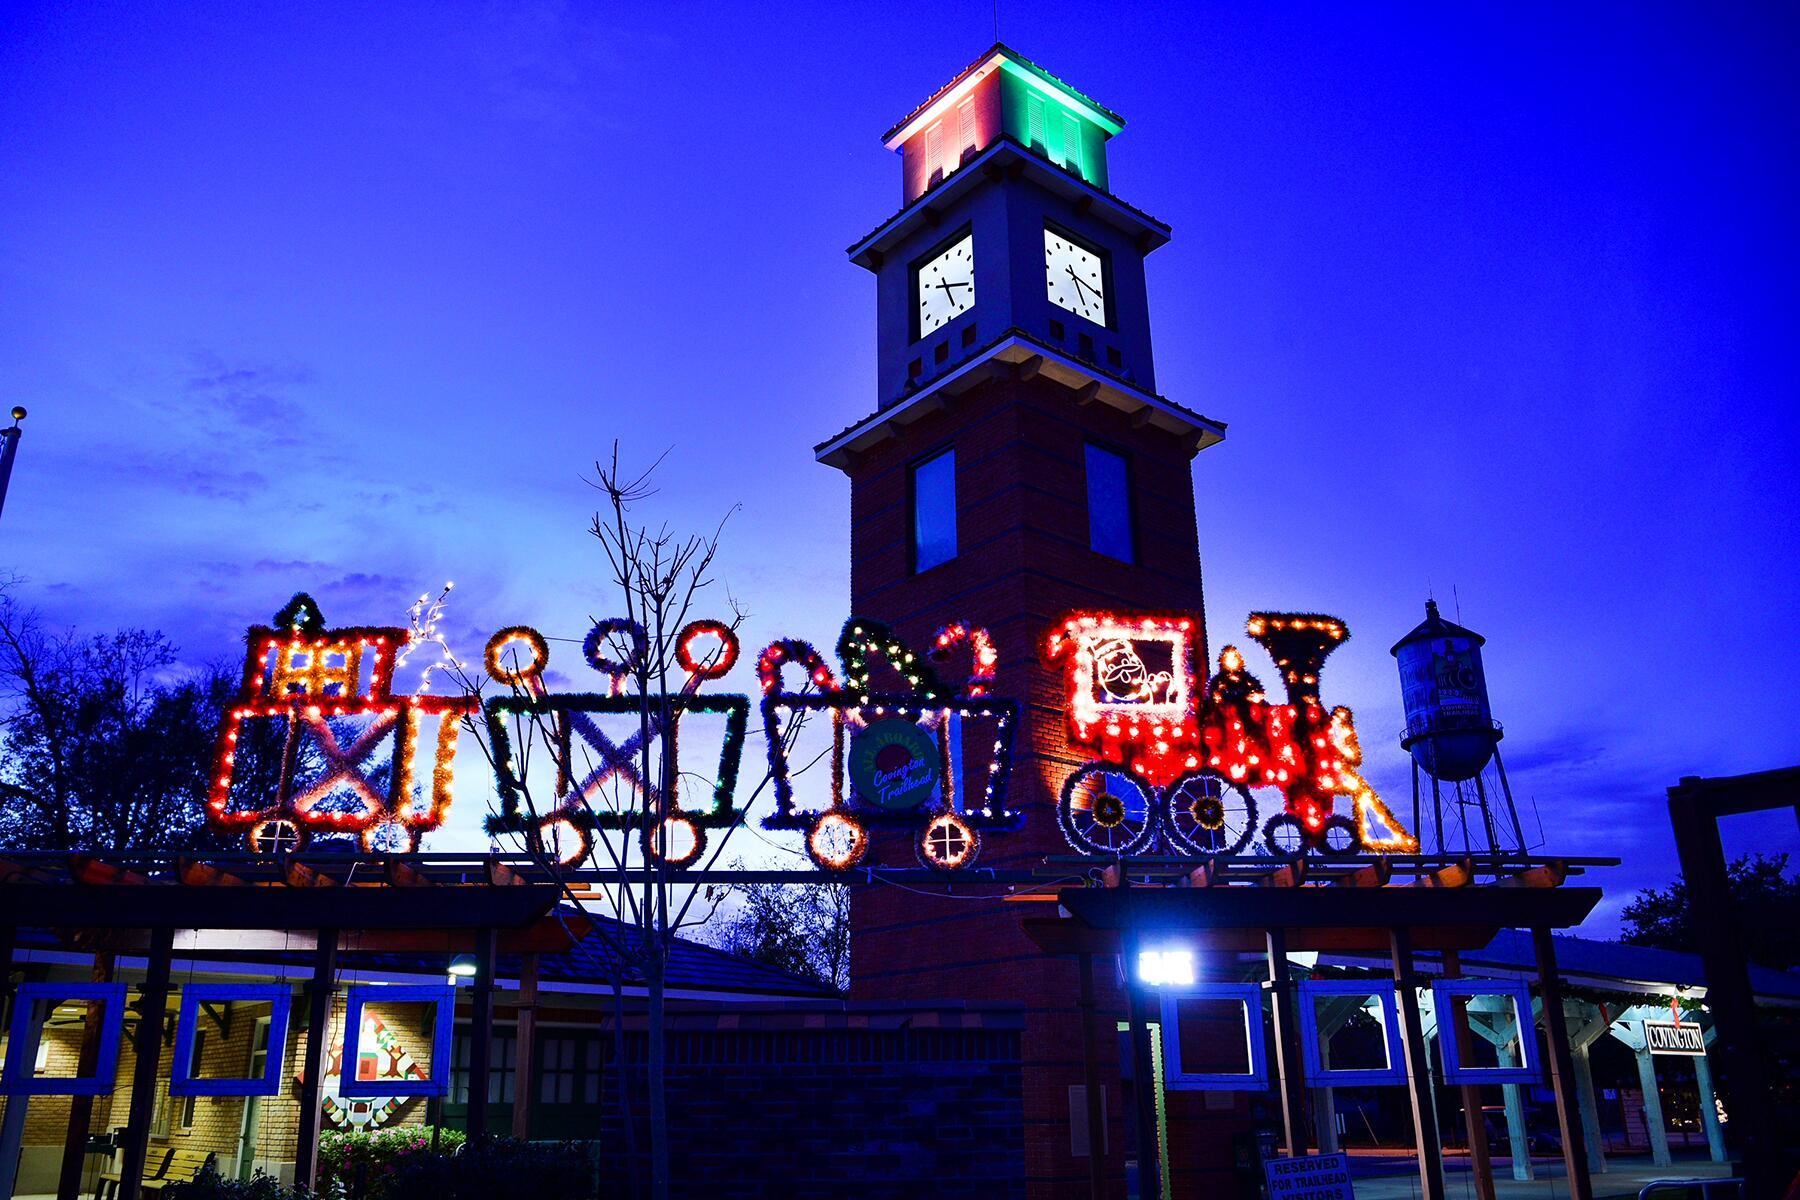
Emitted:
<point x="1316" y="1070"/>
<point x="1248" y="998"/>
<point x="19" y="1077"/>
<point x="183" y="1080"/>
<point x="1444" y="993"/>
<point x="934" y="511"/>
<point x="1109" y="504"/>
<point x="435" y="1084"/>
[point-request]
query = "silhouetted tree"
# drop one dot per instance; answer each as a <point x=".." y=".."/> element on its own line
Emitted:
<point x="105" y="749"/>
<point x="800" y="928"/>
<point x="1764" y="895"/>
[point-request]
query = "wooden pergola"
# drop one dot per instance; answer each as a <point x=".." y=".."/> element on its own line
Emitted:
<point x="449" y="905"/>
<point x="1238" y="906"/>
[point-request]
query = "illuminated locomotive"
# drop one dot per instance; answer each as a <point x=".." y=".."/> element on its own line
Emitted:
<point x="1178" y="757"/>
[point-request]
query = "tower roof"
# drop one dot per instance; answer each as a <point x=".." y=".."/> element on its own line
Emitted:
<point x="1434" y="626"/>
<point x="1000" y="57"/>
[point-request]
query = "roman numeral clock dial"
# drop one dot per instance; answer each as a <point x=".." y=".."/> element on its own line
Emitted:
<point x="1075" y="277"/>
<point x="945" y="285"/>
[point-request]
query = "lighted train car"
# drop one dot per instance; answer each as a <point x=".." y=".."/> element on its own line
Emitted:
<point x="1178" y="758"/>
<point x="898" y="758"/>
<point x="318" y="742"/>
<point x="594" y="767"/>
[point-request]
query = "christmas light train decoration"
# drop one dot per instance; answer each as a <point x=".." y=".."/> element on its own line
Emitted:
<point x="1179" y="758"/>
<point x="894" y="753"/>
<point x="566" y="831"/>
<point x="309" y="681"/>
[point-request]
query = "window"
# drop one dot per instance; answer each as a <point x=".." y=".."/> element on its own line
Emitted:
<point x="965" y="115"/>
<point x="934" y="511"/>
<point x="934" y="152"/>
<point x="570" y="1072"/>
<point x="503" y="1060"/>
<point x="1034" y="124"/>
<point x="1071" y="142"/>
<point x="1109" y="503"/>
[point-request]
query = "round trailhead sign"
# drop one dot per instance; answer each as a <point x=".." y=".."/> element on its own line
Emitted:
<point x="894" y="764"/>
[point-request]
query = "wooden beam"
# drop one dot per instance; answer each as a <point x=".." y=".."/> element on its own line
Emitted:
<point x="1548" y="876"/>
<point x="1290" y="876"/>
<point x="81" y="1108"/>
<point x="1456" y="875"/>
<point x="481" y="1034"/>
<point x="199" y="874"/>
<point x="1418" y="1066"/>
<point x="1088" y="394"/>
<point x="1030" y="367"/>
<point x="299" y="875"/>
<point x="318" y="1036"/>
<point x="1562" y="1068"/>
<point x="1376" y="874"/>
<point x="1481" y="1162"/>
<point x="154" y="999"/>
<point x="1289" y="1077"/>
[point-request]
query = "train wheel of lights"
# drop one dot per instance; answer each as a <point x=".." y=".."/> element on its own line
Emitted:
<point x="949" y="843"/>
<point x="1207" y="815"/>
<point x="278" y="835"/>
<point x="1285" y="836"/>
<point x="837" y="841"/>
<point x="1106" y="809"/>
<point x="563" y="841"/>
<point x="504" y="648"/>
<point x="683" y="841"/>
<point x="388" y="837"/>
<point x="1339" y="837"/>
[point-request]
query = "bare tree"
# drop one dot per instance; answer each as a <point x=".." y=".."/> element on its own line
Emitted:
<point x="659" y="578"/>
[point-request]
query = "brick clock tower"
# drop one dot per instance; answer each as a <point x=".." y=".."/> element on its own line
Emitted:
<point x="1020" y="463"/>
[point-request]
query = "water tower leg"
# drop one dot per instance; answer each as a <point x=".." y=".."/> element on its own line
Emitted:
<point x="1512" y="809"/>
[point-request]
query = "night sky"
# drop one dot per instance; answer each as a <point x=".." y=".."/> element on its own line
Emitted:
<point x="1499" y="306"/>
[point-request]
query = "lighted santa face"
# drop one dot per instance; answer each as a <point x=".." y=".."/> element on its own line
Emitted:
<point x="1120" y="672"/>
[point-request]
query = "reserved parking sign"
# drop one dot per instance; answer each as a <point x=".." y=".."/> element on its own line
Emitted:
<point x="1310" y="1177"/>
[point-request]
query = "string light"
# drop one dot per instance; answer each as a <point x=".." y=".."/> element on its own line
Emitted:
<point x="306" y="675"/>
<point x="1130" y="710"/>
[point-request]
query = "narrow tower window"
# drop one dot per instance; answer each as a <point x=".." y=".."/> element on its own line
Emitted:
<point x="1071" y="142"/>
<point x="1109" y="504"/>
<point x="1034" y="125"/>
<point x="934" y="511"/>
<point x="934" y="152"/>
<point x="966" y="124"/>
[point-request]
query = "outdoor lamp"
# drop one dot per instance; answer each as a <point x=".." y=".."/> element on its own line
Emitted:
<point x="1166" y="968"/>
<point x="463" y="966"/>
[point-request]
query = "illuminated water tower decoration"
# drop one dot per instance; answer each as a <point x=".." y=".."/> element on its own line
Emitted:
<point x="1453" y="737"/>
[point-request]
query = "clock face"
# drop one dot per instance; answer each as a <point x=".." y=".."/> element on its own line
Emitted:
<point x="946" y="285"/>
<point x="1075" y="277"/>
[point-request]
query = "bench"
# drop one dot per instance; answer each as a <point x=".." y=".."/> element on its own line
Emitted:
<point x="162" y="1166"/>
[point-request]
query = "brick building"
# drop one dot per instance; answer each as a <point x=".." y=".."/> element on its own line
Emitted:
<point x="1019" y="464"/>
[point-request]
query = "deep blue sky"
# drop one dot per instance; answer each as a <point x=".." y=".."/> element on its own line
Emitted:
<point x="1499" y="300"/>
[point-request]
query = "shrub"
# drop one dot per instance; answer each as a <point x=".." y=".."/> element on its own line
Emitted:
<point x="496" y="1169"/>
<point x="210" y="1185"/>
<point x="361" y="1165"/>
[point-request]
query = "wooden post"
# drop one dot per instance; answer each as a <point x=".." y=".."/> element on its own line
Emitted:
<point x="1090" y="1077"/>
<point x="148" y="1047"/>
<point x="522" y="1048"/>
<point x="81" y="1108"/>
<point x="481" y="1032"/>
<point x="1149" y="1175"/>
<point x="1481" y="1163"/>
<point x="1562" y="1067"/>
<point x="318" y="1037"/>
<point x="1418" y="1068"/>
<point x="1290" y="1076"/>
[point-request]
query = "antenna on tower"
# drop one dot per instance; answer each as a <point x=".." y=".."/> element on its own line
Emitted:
<point x="996" y="20"/>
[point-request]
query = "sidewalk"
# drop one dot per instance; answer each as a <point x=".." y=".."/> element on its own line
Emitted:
<point x="1623" y="1178"/>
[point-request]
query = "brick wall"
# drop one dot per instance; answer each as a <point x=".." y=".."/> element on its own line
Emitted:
<point x="1023" y="560"/>
<point x="891" y="1106"/>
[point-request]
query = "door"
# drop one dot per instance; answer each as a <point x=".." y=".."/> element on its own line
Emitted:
<point x="259" y="1063"/>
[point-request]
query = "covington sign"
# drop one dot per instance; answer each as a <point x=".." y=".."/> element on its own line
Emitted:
<point x="1667" y="1037"/>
